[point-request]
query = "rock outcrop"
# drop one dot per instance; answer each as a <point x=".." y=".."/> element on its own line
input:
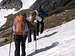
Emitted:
<point x="9" y="4"/>
<point x="53" y="5"/>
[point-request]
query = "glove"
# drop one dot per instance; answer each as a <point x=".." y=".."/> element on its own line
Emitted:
<point x="35" y="21"/>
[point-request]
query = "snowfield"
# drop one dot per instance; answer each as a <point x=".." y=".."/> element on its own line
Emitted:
<point x="6" y="12"/>
<point x="58" y="41"/>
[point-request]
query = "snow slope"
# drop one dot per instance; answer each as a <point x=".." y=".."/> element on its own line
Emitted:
<point x="0" y="0"/>
<point x="26" y="5"/>
<point x="5" y="12"/>
<point x="58" y="41"/>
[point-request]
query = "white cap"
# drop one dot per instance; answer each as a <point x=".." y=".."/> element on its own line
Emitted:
<point x="36" y="12"/>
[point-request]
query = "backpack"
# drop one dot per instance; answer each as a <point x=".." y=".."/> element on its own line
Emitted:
<point x="19" y="25"/>
<point x="42" y="13"/>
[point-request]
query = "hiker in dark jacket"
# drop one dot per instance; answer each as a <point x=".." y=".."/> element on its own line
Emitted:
<point x="32" y="26"/>
<point x="40" y="23"/>
<point x="20" y="31"/>
<point x="41" y="13"/>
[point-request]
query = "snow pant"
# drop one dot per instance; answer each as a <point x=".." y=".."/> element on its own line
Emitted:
<point x="20" y="40"/>
<point x="29" y="35"/>
<point x="40" y="27"/>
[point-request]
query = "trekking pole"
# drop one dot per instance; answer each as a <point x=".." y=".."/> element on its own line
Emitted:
<point x="11" y="38"/>
<point x="35" y="45"/>
<point x="10" y="48"/>
<point x="36" y="39"/>
<point x="10" y="45"/>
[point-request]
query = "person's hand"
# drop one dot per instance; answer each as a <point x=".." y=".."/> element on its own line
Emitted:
<point x="35" y="21"/>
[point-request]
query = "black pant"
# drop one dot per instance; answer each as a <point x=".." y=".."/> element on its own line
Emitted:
<point x="40" y="27"/>
<point x="29" y="35"/>
<point x="20" y="40"/>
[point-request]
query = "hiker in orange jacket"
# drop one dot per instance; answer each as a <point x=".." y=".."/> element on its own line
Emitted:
<point x="20" y="31"/>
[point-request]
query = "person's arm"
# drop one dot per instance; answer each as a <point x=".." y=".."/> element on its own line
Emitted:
<point x="39" y="19"/>
<point x="26" y="29"/>
<point x="14" y="27"/>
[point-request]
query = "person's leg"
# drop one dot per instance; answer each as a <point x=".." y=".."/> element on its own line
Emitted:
<point x="23" y="40"/>
<point x="17" y="45"/>
<point x="37" y="30"/>
<point x="29" y="36"/>
<point x="42" y="26"/>
<point x="34" y="33"/>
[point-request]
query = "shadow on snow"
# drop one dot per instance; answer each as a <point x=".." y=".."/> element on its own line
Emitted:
<point x="44" y="49"/>
<point x="48" y="35"/>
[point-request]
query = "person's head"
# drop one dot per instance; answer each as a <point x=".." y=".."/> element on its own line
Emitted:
<point x="36" y="12"/>
<point x="24" y="14"/>
<point x="20" y="15"/>
<point x="33" y="14"/>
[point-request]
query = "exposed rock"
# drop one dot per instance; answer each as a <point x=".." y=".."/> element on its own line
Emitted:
<point x="50" y="5"/>
<point x="9" y="4"/>
<point x="47" y="5"/>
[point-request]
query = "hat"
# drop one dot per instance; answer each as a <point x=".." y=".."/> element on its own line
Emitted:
<point x="36" y="12"/>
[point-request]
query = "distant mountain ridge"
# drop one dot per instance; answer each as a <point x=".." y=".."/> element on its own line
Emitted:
<point x="47" y="5"/>
<point x="53" y="5"/>
<point x="9" y="4"/>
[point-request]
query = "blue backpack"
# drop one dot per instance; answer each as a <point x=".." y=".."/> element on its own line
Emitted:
<point x="42" y="12"/>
